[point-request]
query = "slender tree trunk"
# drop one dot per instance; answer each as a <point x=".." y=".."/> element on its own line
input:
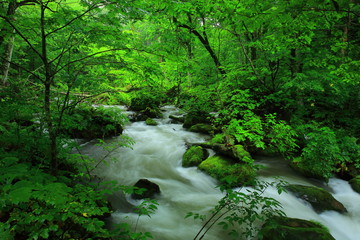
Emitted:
<point x="47" y="95"/>
<point x="7" y="38"/>
<point x="7" y="59"/>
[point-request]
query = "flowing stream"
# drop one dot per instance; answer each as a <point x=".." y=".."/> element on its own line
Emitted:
<point x="157" y="155"/>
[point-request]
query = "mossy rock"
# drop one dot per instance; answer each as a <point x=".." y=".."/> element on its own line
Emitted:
<point x="195" y="117"/>
<point x="194" y="156"/>
<point x="201" y="128"/>
<point x="355" y="183"/>
<point x="241" y="154"/>
<point x="235" y="152"/>
<point x="177" y="119"/>
<point x="284" y="228"/>
<point x="227" y="172"/>
<point x="152" y="189"/>
<point x="145" y="114"/>
<point x="151" y="122"/>
<point x="320" y="199"/>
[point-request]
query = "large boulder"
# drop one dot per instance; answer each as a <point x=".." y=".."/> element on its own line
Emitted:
<point x="151" y="189"/>
<point x="227" y="172"/>
<point x="355" y="183"/>
<point x="284" y="228"/>
<point x="194" y="156"/>
<point x="320" y="199"/>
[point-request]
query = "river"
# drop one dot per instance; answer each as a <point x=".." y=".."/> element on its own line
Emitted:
<point x="156" y="155"/>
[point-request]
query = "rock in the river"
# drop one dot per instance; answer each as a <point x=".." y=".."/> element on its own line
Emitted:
<point x="194" y="156"/>
<point x="355" y="183"/>
<point x="177" y="119"/>
<point x="227" y="172"/>
<point x="152" y="189"/>
<point x="320" y="199"/>
<point x="151" y="122"/>
<point x="201" y="128"/>
<point x="235" y="152"/>
<point x="284" y="228"/>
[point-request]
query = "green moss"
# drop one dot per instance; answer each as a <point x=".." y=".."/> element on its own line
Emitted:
<point x="201" y="128"/>
<point x="194" y="156"/>
<point x="319" y="198"/>
<point x="227" y="172"/>
<point x="241" y="154"/>
<point x="283" y="228"/>
<point x="355" y="183"/>
<point x="151" y="122"/>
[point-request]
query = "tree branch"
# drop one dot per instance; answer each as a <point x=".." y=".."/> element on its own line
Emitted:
<point x="19" y="66"/>
<point x="73" y="20"/>
<point x="89" y="56"/>
<point x="205" y="43"/>
<point x="21" y="35"/>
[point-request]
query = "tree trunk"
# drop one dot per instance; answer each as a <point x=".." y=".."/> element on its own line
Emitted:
<point x="47" y="95"/>
<point x="7" y="59"/>
<point x="7" y="38"/>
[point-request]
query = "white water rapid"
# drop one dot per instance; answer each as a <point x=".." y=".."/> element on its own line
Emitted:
<point x="157" y="156"/>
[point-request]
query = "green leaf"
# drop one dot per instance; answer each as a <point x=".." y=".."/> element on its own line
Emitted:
<point x="20" y="195"/>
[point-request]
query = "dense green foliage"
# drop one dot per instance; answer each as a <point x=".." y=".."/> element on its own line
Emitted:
<point x="277" y="77"/>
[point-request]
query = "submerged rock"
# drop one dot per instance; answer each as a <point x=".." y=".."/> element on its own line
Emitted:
<point x="320" y="199"/>
<point x="227" y="172"/>
<point x="284" y="228"/>
<point x="194" y="156"/>
<point x="151" y="189"/>
<point x="355" y="184"/>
